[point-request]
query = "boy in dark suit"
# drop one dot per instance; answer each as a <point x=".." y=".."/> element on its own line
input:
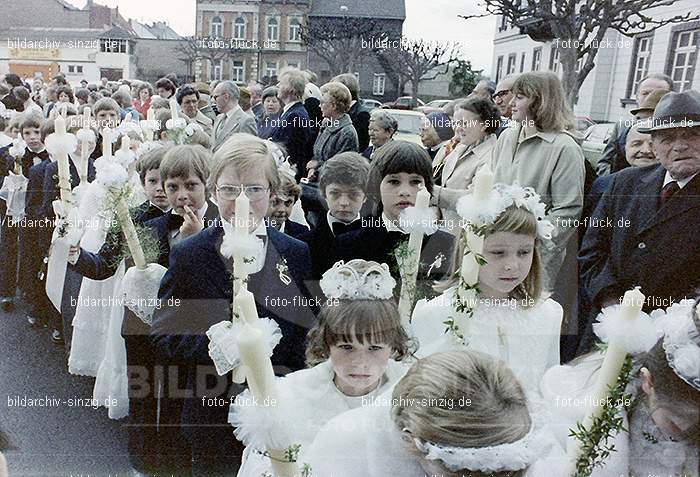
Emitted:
<point x="196" y="293"/>
<point x="399" y="170"/>
<point x="281" y="205"/>
<point x="342" y="184"/>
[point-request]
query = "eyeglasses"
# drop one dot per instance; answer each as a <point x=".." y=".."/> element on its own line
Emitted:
<point x="501" y="93"/>
<point x="231" y="192"/>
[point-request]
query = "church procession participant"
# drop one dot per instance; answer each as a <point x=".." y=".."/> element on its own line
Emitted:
<point x="355" y="354"/>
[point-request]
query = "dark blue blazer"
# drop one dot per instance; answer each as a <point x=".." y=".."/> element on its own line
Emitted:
<point x="657" y="249"/>
<point x="296" y="136"/>
<point x="35" y="189"/>
<point x="373" y="242"/>
<point x="51" y="190"/>
<point x="295" y="229"/>
<point x="199" y="278"/>
<point x="600" y="185"/>
<point x="320" y="241"/>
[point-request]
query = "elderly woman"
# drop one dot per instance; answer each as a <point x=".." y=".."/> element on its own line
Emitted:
<point x="272" y="108"/>
<point x="382" y="127"/>
<point x="144" y="91"/>
<point x="337" y="133"/>
<point x="475" y="123"/>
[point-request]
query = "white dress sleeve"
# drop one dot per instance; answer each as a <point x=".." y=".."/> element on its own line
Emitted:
<point x="555" y="313"/>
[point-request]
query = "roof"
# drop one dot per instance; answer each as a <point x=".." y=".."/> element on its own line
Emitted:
<point x="382" y="9"/>
<point x="141" y="30"/>
<point x="162" y="31"/>
<point x="67" y="5"/>
<point x="117" y="33"/>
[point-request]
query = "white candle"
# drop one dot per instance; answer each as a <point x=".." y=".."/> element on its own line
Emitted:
<point x="242" y="213"/>
<point x="129" y="230"/>
<point x="150" y="114"/>
<point x="86" y="117"/>
<point x="126" y="143"/>
<point x="107" y="143"/>
<point x="246" y="306"/>
<point x="609" y="371"/>
<point x="64" y="180"/>
<point x="173" y="109"/>
<point x="412" y="262"/>
<point x="59" y="125"/>
<point x="483" y="182"/>
<point x="259" y="372"/>
<point x="240" y="272"/>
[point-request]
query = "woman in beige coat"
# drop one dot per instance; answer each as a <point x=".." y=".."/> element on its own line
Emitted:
<point x="475" y="122"/>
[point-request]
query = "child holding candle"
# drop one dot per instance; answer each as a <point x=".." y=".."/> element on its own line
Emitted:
<point x="512" y="319"/>
<point x="398" y="171"/>
<point x="196" y="293"/>
<point x="356" y="352"/>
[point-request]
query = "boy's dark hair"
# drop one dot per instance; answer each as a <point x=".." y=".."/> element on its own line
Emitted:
<point x="485" y="109"/>
<point x="395" y="157"/>
<point x="150" y="161"/>
<point x="166" y="84"/>
<point x="186" y="91"/>
<point x="82" y="93"/>
<point x="13" y="80"/>
<point x="347" y="168"/>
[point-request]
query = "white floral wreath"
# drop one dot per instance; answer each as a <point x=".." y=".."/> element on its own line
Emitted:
<point x="502" y="196"/>
<point x="342" y="282"/>
<point x="681" y="341"/>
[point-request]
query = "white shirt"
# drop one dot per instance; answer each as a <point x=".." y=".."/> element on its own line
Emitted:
<point x="681" y="182"/>
<point x="391" y="225"/>
<point x="289" y="105"/>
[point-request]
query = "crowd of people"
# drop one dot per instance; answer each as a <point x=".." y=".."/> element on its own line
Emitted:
<point x="331" y="194"/>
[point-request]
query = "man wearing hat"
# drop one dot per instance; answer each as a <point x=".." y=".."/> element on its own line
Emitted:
<point x="644" y="230"/>
<point x="435" y="132"/>
<point x="613" y="157"/>
<point x="205" y="106"/>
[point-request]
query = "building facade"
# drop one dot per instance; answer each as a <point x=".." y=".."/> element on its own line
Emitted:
<point x="250" y="40"/>
<point x="609" y="90"/>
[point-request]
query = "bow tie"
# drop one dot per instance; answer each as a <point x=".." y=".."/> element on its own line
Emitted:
<point x="341" y="228"/>
<point x="174" y="221"/>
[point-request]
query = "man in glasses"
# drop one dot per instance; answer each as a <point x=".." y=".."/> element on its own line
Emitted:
<point x="502" y="99"/>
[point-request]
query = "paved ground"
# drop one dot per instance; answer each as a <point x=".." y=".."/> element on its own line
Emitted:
<point x="63" y="438"/>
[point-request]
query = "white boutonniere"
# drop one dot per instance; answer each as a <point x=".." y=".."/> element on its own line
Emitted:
<point x="283" y="270"/>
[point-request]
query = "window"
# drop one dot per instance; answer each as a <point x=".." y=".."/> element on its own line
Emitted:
<point x="293" y="64"/>
<point x="239" y="29"/>
<point x="554" y="60"/>
<point x="113" y="46"/>
<point x="503" y="26"/>
<point x="522" y="62"/>
<point x="511" y="64"/>
<point x="215" y="73"/>
<point x="79" y="69"/>
<point x="71" y="69"/>
<point x="237" y="71"/>
<point x="272" y="29"/>
<point x="217" y="27"/>
<point x="640" y="63"/>
<point x="536" y="59"/>
<point x="499" y="68"/>
<point x="684" y="54"/>
<point x="270" y="69"/>
<point x="378" y="84"/>
<point x="294" y="30"/>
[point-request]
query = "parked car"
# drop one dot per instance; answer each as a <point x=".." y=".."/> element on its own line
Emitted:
<point x="370" y="104"/>
<point x="403" y="102"/>
<point x="409" y="124"/>
<point x="434" y="106"/>
<point x="594" y="140"/>
<point x="583" y="123"/>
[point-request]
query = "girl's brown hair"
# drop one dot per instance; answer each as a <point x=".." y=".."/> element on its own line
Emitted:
<point x="515" y="220"/>
<point x="367" y="321"/>
<point x="462" y="399"/>
<point x="549" y="108"/>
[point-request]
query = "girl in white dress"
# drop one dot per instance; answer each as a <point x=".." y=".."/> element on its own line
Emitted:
<point x="454" y="414"/>
<point x="512" y="320"/>
<point x="356" y="352"/>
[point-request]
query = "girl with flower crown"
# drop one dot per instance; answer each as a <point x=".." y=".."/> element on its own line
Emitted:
<point x="458" y="413"/>
<point x="355" y="354"/>
<point x="510" y="318"/>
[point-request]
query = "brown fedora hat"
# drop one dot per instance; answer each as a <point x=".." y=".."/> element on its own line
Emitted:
<point x="676" y="110"/>
<point x="650" y="102"/>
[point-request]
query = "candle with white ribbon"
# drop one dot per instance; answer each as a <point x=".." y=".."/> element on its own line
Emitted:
<point x="240" y="272"/>
<point x="173" y="109"/>
<point x="483" y="182"/>
<point x="84" y="147"/>
<point x="107" y="144"/>
<point x="614" y="359"/>
<point x="129" y="230"/>
<point x="412" y="261"/>
<point x="148" y="131"/>
<point x="63" y="167"/>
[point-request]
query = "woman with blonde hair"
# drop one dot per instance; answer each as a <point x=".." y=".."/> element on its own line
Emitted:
<point x="512" y="319"/>
<point x="459" y="413"/>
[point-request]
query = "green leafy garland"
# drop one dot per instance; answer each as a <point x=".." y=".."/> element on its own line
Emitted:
<point x="291" y="454"/>
<point x="594" y="441"/>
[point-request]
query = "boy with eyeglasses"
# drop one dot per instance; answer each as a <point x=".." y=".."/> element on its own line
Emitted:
<point x="197" y="292"/>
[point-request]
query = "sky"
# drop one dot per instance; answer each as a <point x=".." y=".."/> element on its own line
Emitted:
<point x="433" y="20"/>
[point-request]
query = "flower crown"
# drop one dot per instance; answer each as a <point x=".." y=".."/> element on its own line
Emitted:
<point x="512" y="456"/>
<point x="681" y="341"/>
<point x="502" y="196"/>
<point x="343" y="282"/>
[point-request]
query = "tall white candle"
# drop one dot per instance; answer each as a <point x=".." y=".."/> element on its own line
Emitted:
<point x="412" y="262"/>
<point x="107" y="143"/>
<point x="246" y="306"/>
<point x="129" y="230"/>
<point x="483" y="182"/>
<point x="126" y="143"/>
<point x="59" y="125"/>
<point x="150" y="114"/>
<point x="86" y="117"/>
<point x="240" y="272"/>
<point x="173" y="109"/>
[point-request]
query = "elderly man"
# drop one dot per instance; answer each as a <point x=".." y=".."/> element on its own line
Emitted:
<point x="613" y="154"/>
<point x="188" y="99"/>
<point x="502" y="99"/>
<point x="484" y="89"/>
<point x="256" y="92"/>
<point x="232" y="119"/>
<point x="644" y="230"/>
